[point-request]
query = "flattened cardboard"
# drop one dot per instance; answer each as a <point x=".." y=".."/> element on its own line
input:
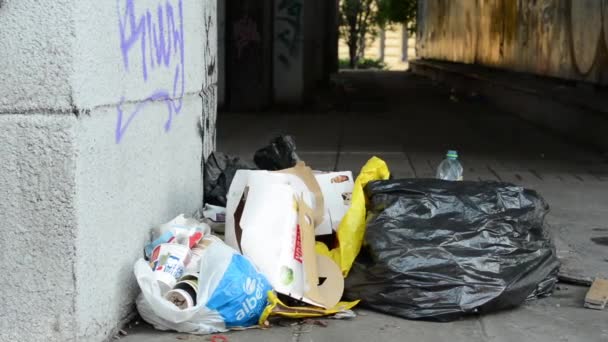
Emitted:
<point x="304" y="173"/>
<point x="269" y="219"/>
<point x="597" y="297"/>
<point x="317" y="267"/>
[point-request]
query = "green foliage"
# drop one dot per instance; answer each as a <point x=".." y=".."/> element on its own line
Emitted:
<point x="361" y="20"/>
<point x="397" y="11"/>
<point x="358" y="26"/>
<point x="364" y="63"/>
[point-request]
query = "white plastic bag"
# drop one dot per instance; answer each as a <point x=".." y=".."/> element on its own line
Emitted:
<point x="232" y="294"/>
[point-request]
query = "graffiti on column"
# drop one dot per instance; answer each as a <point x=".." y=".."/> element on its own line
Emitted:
<point x="209" y="92"/>
<point x="154" y="36"/>
<point x="289" y="13"/>
<point x="209" y="56"/>
<point x="245" y="34"/>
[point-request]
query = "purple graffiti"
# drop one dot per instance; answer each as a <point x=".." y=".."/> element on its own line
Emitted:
<point x="159" y="38"/>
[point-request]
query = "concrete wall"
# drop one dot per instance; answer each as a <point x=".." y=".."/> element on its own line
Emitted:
<point x="104" y="133"/>
<point x="274" y="52"/>
<point x="300" y="46"/>
<point x="559" y="38"/>
<point x="288" y="61"/>
<point x="248" y="55"/>
<point x="221" y="53"/>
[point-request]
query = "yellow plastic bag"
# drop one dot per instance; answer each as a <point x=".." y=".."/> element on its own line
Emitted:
<point x="351" y="230"/>
<point x="277" y="308"/>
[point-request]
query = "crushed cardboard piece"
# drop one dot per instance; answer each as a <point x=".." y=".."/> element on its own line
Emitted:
<point x="271" y="220"/>
<point x="597" y="297"/>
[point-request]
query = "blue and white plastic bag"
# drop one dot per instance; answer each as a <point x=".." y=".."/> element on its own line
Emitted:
<point x="232" y="294"/>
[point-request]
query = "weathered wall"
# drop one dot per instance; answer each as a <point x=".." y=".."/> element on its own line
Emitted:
<point x="558" y="38"/>
<point x="38" y="227"/>
<point x="300" y="46"/>
<point x="39" y="83"/>
<point x="288" y="61"/>
<point x="106" y="117"/>
<point x="275" y="52"/>
<point x="221" y="52"/>
<point x="248" y="54"/>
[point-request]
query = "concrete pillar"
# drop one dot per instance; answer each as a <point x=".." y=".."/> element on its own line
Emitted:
<point x="331" y="38"/>
<point x="289" y="51"/>
<point x="305" y="48"/>
<point x="248" y="55"/>
<point x="103" y="135"/>
<point x="221" y="52"/>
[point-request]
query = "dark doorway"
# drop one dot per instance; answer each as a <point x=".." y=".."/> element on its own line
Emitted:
<point x="248" y="54"/>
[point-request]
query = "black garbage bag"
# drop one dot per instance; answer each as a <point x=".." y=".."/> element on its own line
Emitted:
<point x="220" y="169"/>
<point x="280" y="154"/>
<point x="438" y="250"/>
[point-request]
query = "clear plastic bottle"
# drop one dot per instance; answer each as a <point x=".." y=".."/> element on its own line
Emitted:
<point x="450" y="168"/>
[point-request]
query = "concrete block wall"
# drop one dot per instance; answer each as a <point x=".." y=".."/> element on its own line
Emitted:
<point x="106" y="118"/>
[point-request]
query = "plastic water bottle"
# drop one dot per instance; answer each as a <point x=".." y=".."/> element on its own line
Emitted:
<point x="450" y="168"/>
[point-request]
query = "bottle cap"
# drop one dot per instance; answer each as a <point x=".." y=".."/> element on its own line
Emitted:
<point x="452" y="154"/>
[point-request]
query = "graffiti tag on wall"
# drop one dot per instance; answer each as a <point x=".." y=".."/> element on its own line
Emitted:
<point x="154" y="36"/>
<point x="289" y="16"/>
<point x="245" y="33"/>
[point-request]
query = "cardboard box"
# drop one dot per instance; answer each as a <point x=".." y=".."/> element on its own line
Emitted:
<point x="337" y="190"/>
<point x="271" y="218"/>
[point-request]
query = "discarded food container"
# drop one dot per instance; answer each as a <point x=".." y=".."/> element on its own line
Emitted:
<point x="180" y="230"/>
<point x="182" y="298"/>
<point x="195" y="261"/>
<point x="184" y="293"/>
<point x="231" y="294"/>
<point x="168" y="262"/>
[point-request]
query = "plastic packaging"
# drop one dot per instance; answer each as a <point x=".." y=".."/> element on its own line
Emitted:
<point x="439" y="250"/>
<point x="180" y="230"/>
<point x="218" y="174"/>
<point x="231" y="294"/>
<point x="450" y="168"/>
<point x="352" y="227"/>
<point x="277" y="307"/>
<point x="280" y="154"/>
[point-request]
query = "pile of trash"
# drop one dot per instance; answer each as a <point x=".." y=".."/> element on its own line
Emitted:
<point x="191" y="281"/>
<point x="278" y="239"/>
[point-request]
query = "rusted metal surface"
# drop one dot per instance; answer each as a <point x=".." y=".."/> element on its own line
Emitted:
<point x="558" y="38"/>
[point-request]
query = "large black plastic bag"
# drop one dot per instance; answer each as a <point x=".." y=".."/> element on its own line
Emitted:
<point x="220" y="169"/>
<point x="439" y="250"/>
